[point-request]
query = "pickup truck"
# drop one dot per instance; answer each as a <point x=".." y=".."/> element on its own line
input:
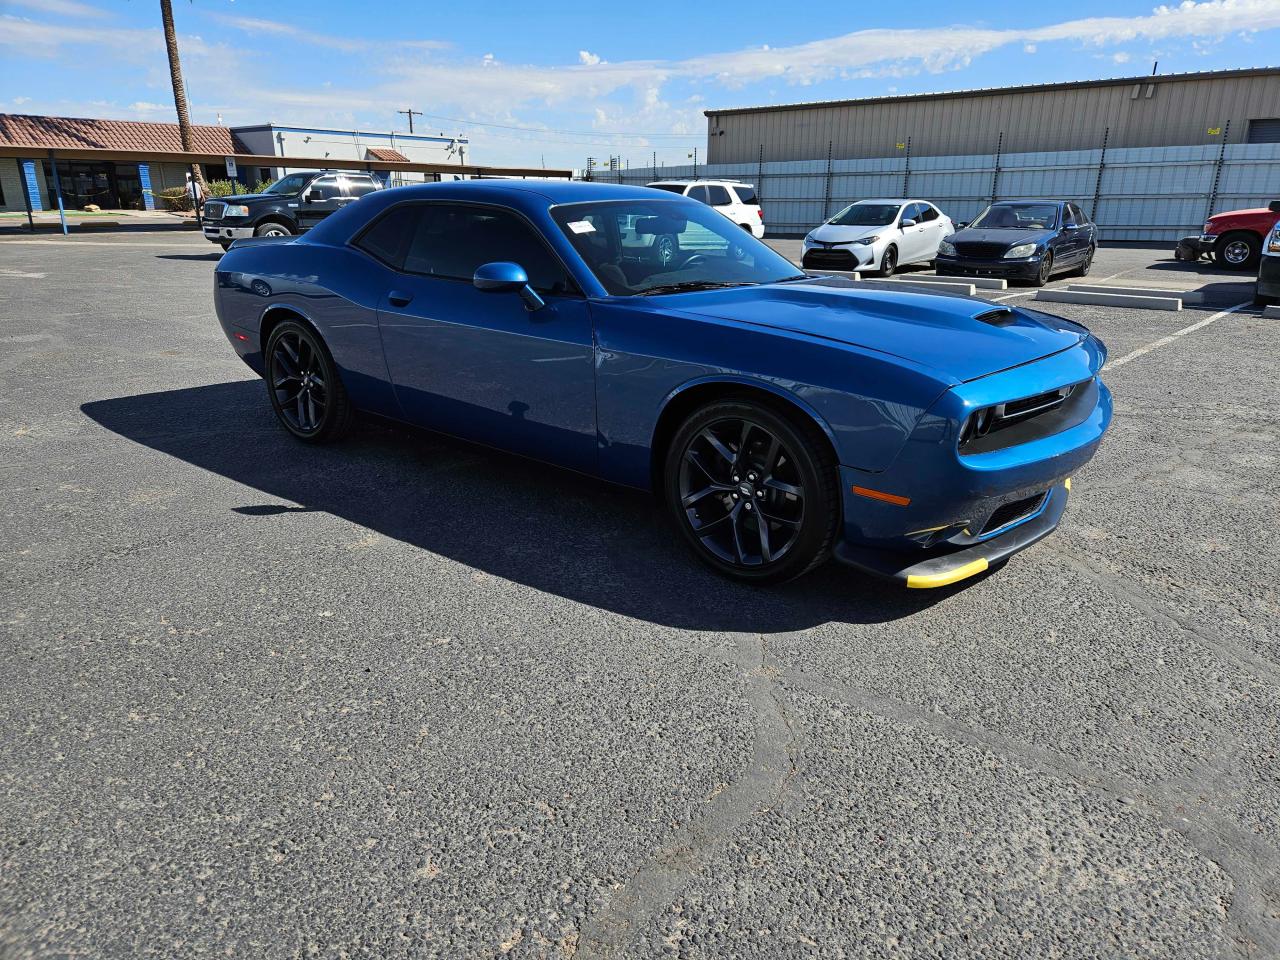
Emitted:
<point x="293" y="204"/>
<point x="1234" y="239"/>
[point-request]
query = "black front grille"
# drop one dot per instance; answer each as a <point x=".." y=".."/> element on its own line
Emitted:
<point x="1011" y="512"/>
<point x="831" y="259"/>
<point x="1040" y="402"/>
<point x="214" y="209"/>
<point x="981" y="251"/>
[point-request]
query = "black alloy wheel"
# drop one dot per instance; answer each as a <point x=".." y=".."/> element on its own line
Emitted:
<point x="1046" y="270"/>
<point x="889" y="262"/>
<point x="303" y="384"/>
<point x="752" y="492"/>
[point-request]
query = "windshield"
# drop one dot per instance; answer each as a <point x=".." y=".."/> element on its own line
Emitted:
<point x="671" y="187"/>
<point x="867" y="215"/>
<point x="638" y="247"/>
<point x="1017" y="216"/>
<point x="291" y="184"/>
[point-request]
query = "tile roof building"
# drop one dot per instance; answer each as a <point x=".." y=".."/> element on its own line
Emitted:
<point x="124" y="164"/>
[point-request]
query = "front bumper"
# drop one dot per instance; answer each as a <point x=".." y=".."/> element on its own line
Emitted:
<point x="1268" y="287"/>
<point x="1027" y="269"/>
<point x="217" y="233"/>
<point x="851" y="257"/>
<point x="937" y="509"/>
<point x="951" y="564"/>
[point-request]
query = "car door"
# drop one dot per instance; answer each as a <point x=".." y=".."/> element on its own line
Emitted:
<point x="476" y="364"/>
<point x="1080" y="231"/>
<point x="1063" y="240"/>
<point x="322" y="197"/>
<point x="720" y="198"/>
<point x="936" y="227"/>
<point x="914" y="243"/>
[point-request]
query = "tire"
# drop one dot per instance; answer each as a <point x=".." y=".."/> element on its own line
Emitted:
<point x="1087" y="265"/>
<point x="889" y="261"/>
<point x="720" y="518"/>
<point x="303" y="385"/>
<point x="272" y="228"/>
<point x="1046" y="270"/>
<point x="1238" y="251"/>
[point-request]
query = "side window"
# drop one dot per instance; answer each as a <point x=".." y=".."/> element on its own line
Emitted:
<point x="1069" y="215"/>
<point x="451" y="241"/>
<point x="1080" y="217"/>
<point x="698" y="193"/>
<point x="388" y="239"/>
<point x="325" y="188"/>
<point x="928" y="213"/>
<point x="745" y="194"/>
<point x="910" y="212"/>
<point x="360" y="186"/>
<point x="718" y="196"/>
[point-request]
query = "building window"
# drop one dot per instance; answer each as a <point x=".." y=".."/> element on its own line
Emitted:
<point x="1264" y="131"/>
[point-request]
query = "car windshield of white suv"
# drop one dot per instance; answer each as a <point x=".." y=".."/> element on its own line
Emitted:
<point x="866" y="215"/>
<point x="646" y="247"/>
<point x="1017" y="216"/>
<point x="287" y="186"/>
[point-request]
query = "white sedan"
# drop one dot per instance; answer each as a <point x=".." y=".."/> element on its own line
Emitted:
<point x="878" y="235"/>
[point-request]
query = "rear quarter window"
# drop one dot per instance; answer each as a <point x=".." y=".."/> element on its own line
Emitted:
<point x="746" y="194"/>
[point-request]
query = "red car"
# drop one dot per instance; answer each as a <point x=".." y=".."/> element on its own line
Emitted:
<point x="1233" y="239"/>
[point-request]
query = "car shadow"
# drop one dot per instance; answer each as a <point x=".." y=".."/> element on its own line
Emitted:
<point x="549" y="529"/>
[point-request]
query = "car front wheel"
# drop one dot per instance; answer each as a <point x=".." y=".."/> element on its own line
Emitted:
<point x="753" y="492"/>
<point x="1045" y="272"/>
<point x="272" y="230"/>
<point x="303" y="383"/>
<point x="889" y="262"/>
<point x="1238" y="251"/>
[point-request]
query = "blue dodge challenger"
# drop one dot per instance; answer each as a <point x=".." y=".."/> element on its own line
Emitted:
<point x="642" y="338"/>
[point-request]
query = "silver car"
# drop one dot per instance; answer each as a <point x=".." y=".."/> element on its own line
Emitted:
<point x="878" y="235"/>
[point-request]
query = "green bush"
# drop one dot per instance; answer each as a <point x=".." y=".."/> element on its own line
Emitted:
<point x="175" y="198"/>
<point x="224" y="188"/>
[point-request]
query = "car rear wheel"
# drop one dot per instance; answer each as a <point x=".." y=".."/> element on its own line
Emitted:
<point x="1046" y="270"/>
<point x="753" y="492"/>
<point x="1238" y="251"/>
<point x="303" y="383"/>
<point x="272" y="229"/>
<point x="889" y="262"/>
<point x="1087" y="264"/>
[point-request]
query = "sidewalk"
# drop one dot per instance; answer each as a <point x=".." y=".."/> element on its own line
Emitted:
<point x="78" y="220"/>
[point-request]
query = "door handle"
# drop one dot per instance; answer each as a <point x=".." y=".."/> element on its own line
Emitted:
<point x="398" y="299"/>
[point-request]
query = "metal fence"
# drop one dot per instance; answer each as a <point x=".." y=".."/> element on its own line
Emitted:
<point x="1133" y="193"/>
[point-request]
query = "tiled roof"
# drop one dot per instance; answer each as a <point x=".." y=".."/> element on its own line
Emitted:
<point x="76" y="133"/>
<point x="385" y="153"/>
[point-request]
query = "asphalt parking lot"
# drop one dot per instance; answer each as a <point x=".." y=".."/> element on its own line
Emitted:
<point x="405" y="697"/>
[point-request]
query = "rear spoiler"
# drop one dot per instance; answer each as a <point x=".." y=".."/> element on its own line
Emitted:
<point x="255" y="241"/>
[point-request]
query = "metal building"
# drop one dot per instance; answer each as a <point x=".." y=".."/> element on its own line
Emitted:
<point x="1232" y="106"/>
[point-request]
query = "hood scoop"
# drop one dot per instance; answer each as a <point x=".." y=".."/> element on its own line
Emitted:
<point x="999" y="317"/>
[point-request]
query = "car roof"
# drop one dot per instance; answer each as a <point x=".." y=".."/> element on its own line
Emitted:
<point x="1005" y="203"/>
<point x="688" y="183"/>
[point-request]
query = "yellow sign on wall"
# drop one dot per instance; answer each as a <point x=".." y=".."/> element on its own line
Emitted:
<point x="1215" y="131"/>
<point x="902" y="146"/>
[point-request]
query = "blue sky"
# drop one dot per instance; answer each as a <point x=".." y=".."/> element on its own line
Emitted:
<point x="555" y="83"/>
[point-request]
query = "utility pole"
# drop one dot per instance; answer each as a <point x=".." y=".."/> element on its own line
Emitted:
<point x="411" y="113"/>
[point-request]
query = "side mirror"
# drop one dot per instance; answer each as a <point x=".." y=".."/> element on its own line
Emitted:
<point x="504" y="277"/>
<point x="959" y="224"/>
<point x="1274" y="206"/>
<point x="308" y="197"/>
<point x="908" y="223"/>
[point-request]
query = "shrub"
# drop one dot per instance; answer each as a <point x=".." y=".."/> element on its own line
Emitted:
<point x="224" y="188"/>
<point x="175" y="198"/>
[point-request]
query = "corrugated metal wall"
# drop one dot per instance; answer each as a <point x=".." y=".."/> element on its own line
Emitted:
<point x="1139" y="112"/>
<point x="1134" y="193"/>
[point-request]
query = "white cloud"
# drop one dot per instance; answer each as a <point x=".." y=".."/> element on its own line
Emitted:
<point x="258" y="26"/>
<point x="62" y="8"/>
<point x="1028" y="48"/>
<point x="1121" y="57"/>
<point x="588" y="58"/>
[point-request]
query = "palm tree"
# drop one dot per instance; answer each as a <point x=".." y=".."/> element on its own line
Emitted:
<point x="179" y="89"/>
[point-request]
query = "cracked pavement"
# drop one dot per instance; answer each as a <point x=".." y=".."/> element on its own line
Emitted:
<point x="403" y="697"/>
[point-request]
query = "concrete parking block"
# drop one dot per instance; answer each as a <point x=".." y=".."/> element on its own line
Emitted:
<point x="847" y="274"/>
<point x="983" y="283"/>
<point x="1110" y="299"/>
<point x="919" y="286"/>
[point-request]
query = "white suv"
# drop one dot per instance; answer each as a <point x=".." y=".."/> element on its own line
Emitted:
<point x="735" y="200"/>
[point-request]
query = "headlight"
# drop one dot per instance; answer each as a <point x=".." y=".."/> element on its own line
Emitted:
<point x="866" y="241"/>
<point x="947" y="249"/>
<point x="1021" y="250"/>
<point x="234" y="210"/>
<point x="1208" y="227"/>
<point x="808" y="240"/>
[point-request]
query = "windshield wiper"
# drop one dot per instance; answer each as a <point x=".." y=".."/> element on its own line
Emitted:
<point x="686" y="285"/>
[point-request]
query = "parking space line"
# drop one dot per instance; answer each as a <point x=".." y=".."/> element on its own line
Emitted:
<point x="1011" y="296"/>
<point x="1165" y="341"/>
